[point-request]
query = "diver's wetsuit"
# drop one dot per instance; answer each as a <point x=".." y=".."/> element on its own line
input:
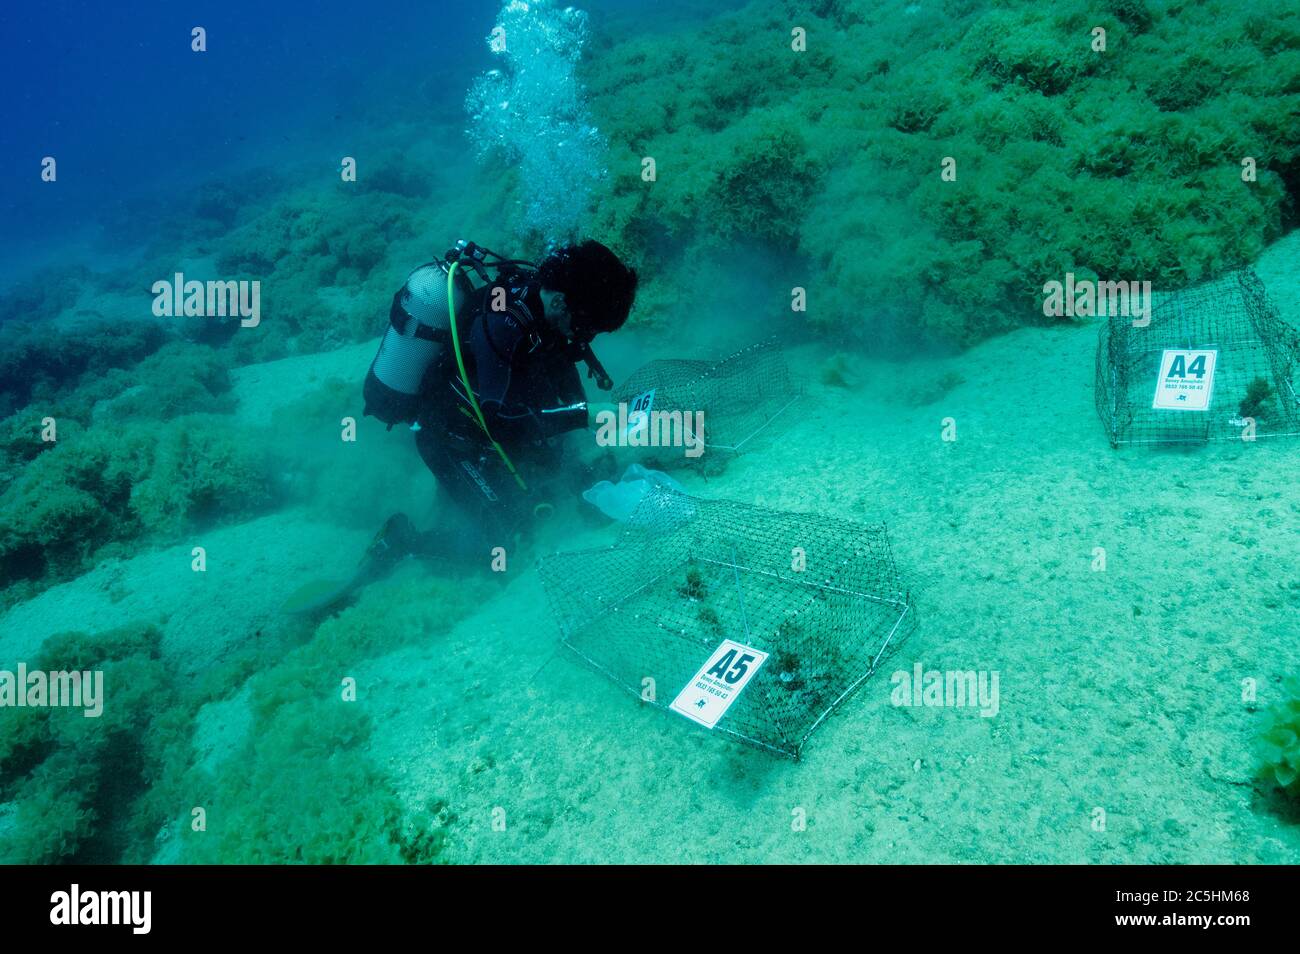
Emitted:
<point x="530" y="393"/>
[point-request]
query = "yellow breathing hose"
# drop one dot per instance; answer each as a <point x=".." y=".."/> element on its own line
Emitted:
<point x="464" y="379"/>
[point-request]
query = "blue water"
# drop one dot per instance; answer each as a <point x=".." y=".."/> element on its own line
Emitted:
<point x="116" y="95"/>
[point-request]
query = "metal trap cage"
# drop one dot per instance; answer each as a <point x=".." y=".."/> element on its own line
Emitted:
<point x="820" y="596"/>
<point x="1253" y="387"/>
<point x="741" y="394"/>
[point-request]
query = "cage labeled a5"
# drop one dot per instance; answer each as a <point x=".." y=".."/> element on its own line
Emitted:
<point x="1209" y="363"/>
<point x="752" y="622"/>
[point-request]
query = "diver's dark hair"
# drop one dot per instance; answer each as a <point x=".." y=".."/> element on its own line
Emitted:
<point x="597" y="287"/>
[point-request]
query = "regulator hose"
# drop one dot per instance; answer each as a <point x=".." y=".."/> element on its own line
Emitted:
<point x="464" y="379"/>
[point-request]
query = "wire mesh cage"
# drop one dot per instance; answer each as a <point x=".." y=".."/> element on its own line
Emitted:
<point x="1220" y="348"/>
<point x="821" y="598"/>
<point x="740" y="395"/>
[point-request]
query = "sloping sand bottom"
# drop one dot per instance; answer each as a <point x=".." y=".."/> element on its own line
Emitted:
<point x="251" y="569"/>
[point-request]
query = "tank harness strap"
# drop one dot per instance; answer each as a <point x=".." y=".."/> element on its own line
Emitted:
<point x="398" y="317"/>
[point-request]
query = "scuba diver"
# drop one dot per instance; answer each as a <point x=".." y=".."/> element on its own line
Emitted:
<point x="486" y="375"/>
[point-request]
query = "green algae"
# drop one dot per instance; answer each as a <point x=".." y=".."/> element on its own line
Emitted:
<point x="1127" y="162"/>
<point x="1279" y="743"/>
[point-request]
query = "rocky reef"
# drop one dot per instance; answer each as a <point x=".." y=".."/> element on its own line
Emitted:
<point x="1126" y="163"/>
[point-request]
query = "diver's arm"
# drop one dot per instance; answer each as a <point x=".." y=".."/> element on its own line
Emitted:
<point x="498" y="350"/>
<point x="570" y="417"/>
<point x="504" y="351"/>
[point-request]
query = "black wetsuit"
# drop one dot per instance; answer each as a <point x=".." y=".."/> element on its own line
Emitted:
<point x="530" y="393"/>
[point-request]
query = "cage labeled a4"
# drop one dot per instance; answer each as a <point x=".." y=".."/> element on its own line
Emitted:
<point x="1213" y="362"/>
<point x="740" y="395"/>
<point x="754" y="622"/>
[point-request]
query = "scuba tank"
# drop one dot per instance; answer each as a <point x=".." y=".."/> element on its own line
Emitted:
<point x="416" y="334"/>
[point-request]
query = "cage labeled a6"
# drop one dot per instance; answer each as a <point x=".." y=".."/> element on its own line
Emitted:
<point x="740" y="396"/>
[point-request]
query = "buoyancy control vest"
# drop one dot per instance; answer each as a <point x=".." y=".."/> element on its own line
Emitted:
<point x="418" y="336"/>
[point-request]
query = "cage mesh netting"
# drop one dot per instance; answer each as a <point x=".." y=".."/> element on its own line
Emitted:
<point x="687" y="573"/>
<point x="740" y="394"/>
<point x="1254" y="377"/>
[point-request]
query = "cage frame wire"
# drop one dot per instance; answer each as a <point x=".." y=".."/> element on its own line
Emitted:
<point x="709" y="372"/>
<point x="1245" y="300"/>
<point x="899" y="599"/>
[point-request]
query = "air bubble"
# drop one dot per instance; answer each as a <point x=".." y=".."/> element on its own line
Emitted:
<point x="541" y="124"/>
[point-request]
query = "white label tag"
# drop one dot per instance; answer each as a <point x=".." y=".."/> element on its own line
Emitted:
<point x="719" y="682"/>
<point x="638" y="412"/>
<point x="1186" y="381"/>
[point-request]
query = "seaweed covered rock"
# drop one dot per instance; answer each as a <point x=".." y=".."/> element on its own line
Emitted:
<point x="219" y="205"/>
<point x="764" y="185"/>
<point x="1125" y="163"/>
<point x="75" y="780"/>
<point x="1280" y="741"/>
<point x="119" y="482"/>
<point x="320" y="258"/>
<point x="39" y="359"/>
<point x="21" y="443"/>
<point x="395" y="175"/>
<point x="1134" y="14"/>
<point x="204" y="470"/>
<point x="1027" y="47"/>
<point x="45" y="294"/>
<point x="303" y="787"/>
<point x="314" y="233"/>
<point x="179" y="378"/>
<point x="176" y="380"/>
<point x="295" y="781"/>
<point x="304" y="791"/>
